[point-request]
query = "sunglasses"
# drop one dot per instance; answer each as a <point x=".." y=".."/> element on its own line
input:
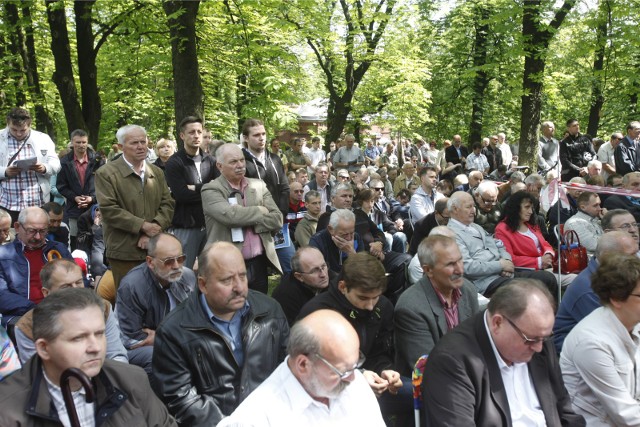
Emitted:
<point x="168" y="262"/>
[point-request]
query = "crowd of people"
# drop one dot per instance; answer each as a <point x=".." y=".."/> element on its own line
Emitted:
<point x="151" y="269"/>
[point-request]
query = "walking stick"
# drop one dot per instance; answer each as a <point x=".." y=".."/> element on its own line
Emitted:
<point x="65" y="385"/>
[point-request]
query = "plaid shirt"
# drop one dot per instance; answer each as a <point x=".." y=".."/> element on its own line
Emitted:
<point x="85" y="411"/>
<point x="23" y="190"/>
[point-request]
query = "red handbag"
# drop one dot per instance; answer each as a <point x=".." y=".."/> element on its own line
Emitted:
<point x="573" y="256"/>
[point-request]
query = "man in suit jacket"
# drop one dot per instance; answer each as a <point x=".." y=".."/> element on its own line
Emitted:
<point x="456" y="153"/>
<point x="626" y="153"/>
<point x="435" y="305"/>
<point x="486" y="262"/>
<point x="241" y="210"/>
<point x="499" y="368"/>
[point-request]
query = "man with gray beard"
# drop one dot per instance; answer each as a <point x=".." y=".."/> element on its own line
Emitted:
<point x="149" y="292"/>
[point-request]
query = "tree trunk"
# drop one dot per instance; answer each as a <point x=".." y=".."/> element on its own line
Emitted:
<point x="337" y="113"/>
<point x="481" y="80"/>
<point x="63" y="74"/>
<point x="15" y="48"/>
<point x="43" y="120"/>
<point x="87" y="70"/>
<point x="536" y="36"/>
<point x="597" y="96"/>
<point x="188" y="95"/>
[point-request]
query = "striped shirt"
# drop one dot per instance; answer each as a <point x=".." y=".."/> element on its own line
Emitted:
<point x="22" y="190"/>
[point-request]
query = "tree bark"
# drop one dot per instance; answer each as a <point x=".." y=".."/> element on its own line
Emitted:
<point x="481" y="80"/>
<point x="15" y="47"/>
<point x="63" y="74"/>
<point x="188" y="94"/>
<point x="87" y="70"/>
<point x="537" y="37"/>
<point x="597" y="95"/>
<point x="43" y="120"/>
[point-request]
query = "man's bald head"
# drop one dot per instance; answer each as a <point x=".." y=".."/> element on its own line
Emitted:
<point x="616" y="242"/>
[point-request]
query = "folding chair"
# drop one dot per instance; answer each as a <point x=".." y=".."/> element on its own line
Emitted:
<point x="416" y="381"/>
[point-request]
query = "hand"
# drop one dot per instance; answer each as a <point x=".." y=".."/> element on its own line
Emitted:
<point x="11" y="171"/>
<point x="143" y="242"/>
<point x="97" y="220"/>
<point x="547" y="261"/>
<point x="38" y="167"/>
<point x="583" y="171"/>
<point x="603" y="211"/>
<point x="507" y="266"/>
<point x="150" y="228"/>
<point x="191" y="187"/>
<point x="399" y="224"/>
<point x="377" y="384"/>
<point x="393" y="378"/>
<point x="263" y="210"/>
<point x="151" y="336"/>
<point x="343" y="244"/>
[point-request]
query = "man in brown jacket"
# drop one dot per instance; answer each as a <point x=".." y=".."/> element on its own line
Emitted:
<point x="68" y="327"/>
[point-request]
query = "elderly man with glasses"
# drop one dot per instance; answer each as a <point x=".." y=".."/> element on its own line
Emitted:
<point x="499" y="367"/>
<point x="21" y="262"/>
<point x="149" y="292"/>
<point x="488" y="210"/>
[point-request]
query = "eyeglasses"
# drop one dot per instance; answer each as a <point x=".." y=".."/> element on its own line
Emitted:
<point x="316" y="270"/>
<point x="168" y="262"/>
<point x="488" y="202"/>
<point x="34" y="231"/>
<point x="298" y="191"/>
<point x="527" y="340"/>
<point x="378" y="188"/>
<point x="343" y="177"/>
<point x="346" y="374"/>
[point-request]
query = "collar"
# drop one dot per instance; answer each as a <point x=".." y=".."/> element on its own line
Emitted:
<point x="142" y="170"/>
<point x="85" y="159"/>
<point x="212" y="317"/>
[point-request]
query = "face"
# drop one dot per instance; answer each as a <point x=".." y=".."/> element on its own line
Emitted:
<point x="493" y="142"/>
<point x="627" y="223"/>
<point x="315" y="273"/>
<point x="475" y="179"/>
<point x="206" y="137"/>
<point x="297" y="147"/>
<point x="510" y="342"/>
<point x="63" y="279"/>
<point x="256" y="139"/>
<point x="275" y="146"/>
<point x="443" y="218"/>
<point x="465" y="212"/>
<point x="548" y="131"/>
<point x="81" y="344"/>
<point x="343" y="199"/>
<point x="633" y="183"/>
<point x="332" y="146"/>
<point x="324" y="382"/>
<point x="19" y="131"/>
<point x="345" y="230"/>
<point x="429" y="180"/>
<point x="615" y="140"/>
<point x="392" y="174"/>
<point x="314" y="206"/>
<point x="226" y="287"/>
<point x="457" y="140"/>
<point x="595" y="170"/>
<point x="5" y="228"/>
<point x="165" y="150"/>
<point x="302" y="178"/>
<point x="446" y="274"/>
<point x="167" y="262"/>
<point x="526" y="210"/>
<point x="408" y="170"/>
<point x="322" y="175"/>
<point x="367" y="205"/>
<point x="80" y="144"/>
<point x="592" y="207"/>
<point x="54" y="221"/>
<point x="360" y="298"/>
<point x="573" y="128"/>
<point x="487" y="200"/>
<point x="34" y="231"/>
<point x="349" y="141"/>
<point x="634" y="133"/>
<point x="192" y="136"/>
<point x="295" y="192"/>
<point x="233" y="167"/>
<point x="134" y="147"/>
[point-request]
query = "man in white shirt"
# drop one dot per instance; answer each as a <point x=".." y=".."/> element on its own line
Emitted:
<point x="505" y="150"/>
<point x="548" y="148"/>
<point x="318" y="384"/>
<point x="316" y="154"/>
<point x="606" y="155"/>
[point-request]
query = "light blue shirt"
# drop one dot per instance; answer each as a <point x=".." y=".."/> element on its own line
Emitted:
<point x="231" y="330"/>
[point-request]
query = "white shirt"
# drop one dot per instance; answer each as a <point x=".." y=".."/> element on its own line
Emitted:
<point x="142" y="169"/>
<point x="281" y="401"/>
<point x="506" y="154"/>
<point x="84" y="410"/>
<point x="524" y="405"/>
<point x="606" y="156"/>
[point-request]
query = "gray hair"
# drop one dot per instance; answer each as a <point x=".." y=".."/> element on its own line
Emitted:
<point x="4" y="214"/>
<point x="51" y="266"/>
<point x="25" y="213"/>
<point x="153" y="242"/>
<point x="47" y="313"/>
<point x="610" y="242"/>
<point x="534" y="179"/>
<point x="547" y="124"/>
<point x="456" y="199"/>
<point x="517" y="176"/>
<point x="594" y="162"/>
<point x="302" y="340"/>
<point x="221" y="152"/>
<point x="486" y="186"/>
<point x="125" y="130"/>
<point x="426" y="249"/>
<point x="295" y="259"/>
<point x="312" y="194"/>
<point x="512" y="299"/>
<point x="340" y="187"/>
<point x="341" y="215"/>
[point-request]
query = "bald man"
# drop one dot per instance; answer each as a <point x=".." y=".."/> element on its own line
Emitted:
<point x="318" y="384"/>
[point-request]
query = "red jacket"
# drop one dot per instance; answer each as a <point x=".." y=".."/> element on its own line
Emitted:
<point x="522" y="248"/>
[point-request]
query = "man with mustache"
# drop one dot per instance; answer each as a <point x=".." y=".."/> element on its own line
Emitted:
<point x="436" y="304"/>
<point x="220" y="344"/>
<point x="21" y="262"/>
<point x="241" y="210"/>
<point x="149" y="292"/>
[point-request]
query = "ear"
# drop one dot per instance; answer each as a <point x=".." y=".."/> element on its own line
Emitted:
<point x="149" y="261"/>
<point x="45" y="292"/>
<point x="342" y="286"/>
<point x="302" y="364"/>
<point x="120" y="146"/>
<point x="42" y="348"/>
<point x="298" y="276"/>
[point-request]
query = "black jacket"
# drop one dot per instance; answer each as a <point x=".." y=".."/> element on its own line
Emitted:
<point x="272" y="174"/>
<point x="292" y="294"/>
<point x="374" y="328"/>
<point x="626" y="157"/>
<point x="180" y="171"/>
<point x="197" y="375"/>
<point x="68" y="182"/>
<point x="332" y="255"/>
<point x="421" y="229"/>
<point x="367" y="229"/>
<point x="575" y="153"/>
